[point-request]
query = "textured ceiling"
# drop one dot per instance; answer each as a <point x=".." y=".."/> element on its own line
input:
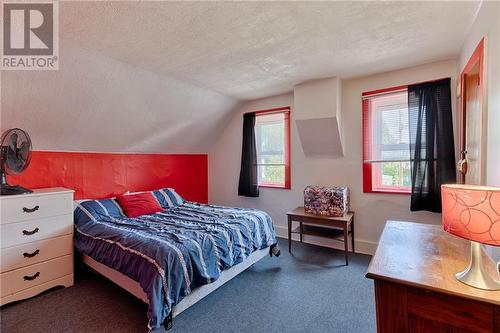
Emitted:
<point x="94" y="103"/>
<point x="165" y="76"/>
<point x="249" y="50"/>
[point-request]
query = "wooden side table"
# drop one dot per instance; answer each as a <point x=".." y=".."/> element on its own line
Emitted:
<point x="322" y="226"/>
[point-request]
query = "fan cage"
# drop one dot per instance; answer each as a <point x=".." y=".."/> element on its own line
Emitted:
<point x="5" y="143"/>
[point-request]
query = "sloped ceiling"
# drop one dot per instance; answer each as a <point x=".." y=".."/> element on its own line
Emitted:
<point x="95" y="103"/>
<point x="164" y="76"/>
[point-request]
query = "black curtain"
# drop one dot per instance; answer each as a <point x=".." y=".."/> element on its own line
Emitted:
<point x="248" y="185"/>
<point x="431" y="143"/>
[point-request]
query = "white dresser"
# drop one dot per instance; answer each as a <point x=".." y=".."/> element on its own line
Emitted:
<point x="36" y="243"/>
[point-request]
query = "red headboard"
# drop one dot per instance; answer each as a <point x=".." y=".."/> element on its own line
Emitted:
<point x="101" y="175"/>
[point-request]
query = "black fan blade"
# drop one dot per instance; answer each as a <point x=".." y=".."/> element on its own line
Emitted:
<point x="13" y="142"/>
<point x="23" y="151"/>
<point x="15" y="164"/>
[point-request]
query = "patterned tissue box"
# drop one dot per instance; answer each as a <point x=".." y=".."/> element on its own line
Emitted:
<point x="329" y="201"/>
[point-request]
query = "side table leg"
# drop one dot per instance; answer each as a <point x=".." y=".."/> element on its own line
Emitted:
<point x="289" y="234"/>
<point x="352" y="234"/>
<point x="301" y="230"/>
<point x="346" y="245"/>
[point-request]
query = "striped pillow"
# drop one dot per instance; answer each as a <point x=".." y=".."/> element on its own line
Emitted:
<point x="168" y="198"/>
<point x="102" y="208"/>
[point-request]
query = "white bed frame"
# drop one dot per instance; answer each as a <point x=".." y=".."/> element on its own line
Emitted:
<point x="196" y="295"/>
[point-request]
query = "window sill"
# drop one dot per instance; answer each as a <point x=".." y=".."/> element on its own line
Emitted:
<point x="283" y="187"/>
<point x="389" y="192"/>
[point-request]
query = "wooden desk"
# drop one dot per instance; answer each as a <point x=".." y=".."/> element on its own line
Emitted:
<point x="415" y="287"/>
<point x="322" y="226"/>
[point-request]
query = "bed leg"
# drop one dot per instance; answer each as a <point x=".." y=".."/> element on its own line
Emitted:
<point x="167" y="323"/>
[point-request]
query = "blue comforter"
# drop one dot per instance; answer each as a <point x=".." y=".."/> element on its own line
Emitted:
<point x="172" y="252"/>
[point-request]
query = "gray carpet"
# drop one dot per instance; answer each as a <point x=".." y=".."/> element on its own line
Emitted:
<point x="308" y="291"/>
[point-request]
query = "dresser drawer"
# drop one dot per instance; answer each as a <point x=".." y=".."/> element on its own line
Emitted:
<point x="35" y="207"/>
<point x="434" y="309"/>
<point x="32" y="253"/>
<point x="30" y="276"/>
<point x="65" y="281"/>
<point x="31" y="231"/>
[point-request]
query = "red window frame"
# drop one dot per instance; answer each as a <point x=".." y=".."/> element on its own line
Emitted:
<point x="369" y="168"/>
<point x="286" y="111"/>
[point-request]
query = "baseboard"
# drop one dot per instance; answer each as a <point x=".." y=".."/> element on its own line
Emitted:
<point x="362" y="246"/>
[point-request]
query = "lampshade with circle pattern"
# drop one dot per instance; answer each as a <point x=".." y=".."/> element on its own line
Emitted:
<point x="472" y="212"/>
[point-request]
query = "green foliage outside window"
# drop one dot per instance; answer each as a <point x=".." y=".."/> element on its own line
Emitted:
<point x="396" y="174"/>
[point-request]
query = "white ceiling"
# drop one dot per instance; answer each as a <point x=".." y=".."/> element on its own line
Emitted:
<point x="248" y="50"/>
<point x="94" y="103"/>
<point x="165" y="76"/>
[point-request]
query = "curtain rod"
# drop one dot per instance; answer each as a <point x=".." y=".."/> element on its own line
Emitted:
<point x="282" y="109"/>
<point x="388" y="92"/>
<point x="385" y="91"/>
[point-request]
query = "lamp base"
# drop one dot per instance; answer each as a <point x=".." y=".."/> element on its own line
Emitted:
<point x="476" y="275"/>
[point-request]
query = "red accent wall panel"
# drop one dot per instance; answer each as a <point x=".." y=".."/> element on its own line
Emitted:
<point x="102" y="175"/>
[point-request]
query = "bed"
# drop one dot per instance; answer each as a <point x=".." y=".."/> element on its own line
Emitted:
<point x="173" y="258"/>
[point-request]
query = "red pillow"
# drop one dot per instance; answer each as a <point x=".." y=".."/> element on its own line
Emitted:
<point x="134" y="205"/>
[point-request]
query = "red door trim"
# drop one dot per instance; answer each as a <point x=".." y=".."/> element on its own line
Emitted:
<point x="477" y="56"/>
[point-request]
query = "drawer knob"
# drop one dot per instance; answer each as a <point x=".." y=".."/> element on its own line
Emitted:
<point x="32" y="277"/>
<point x="29" y="233"/>
<point x="31" y="210"/>
<point x="31" y="255"/>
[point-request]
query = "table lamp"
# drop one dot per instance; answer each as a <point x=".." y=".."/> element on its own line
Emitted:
<point x="473" y="212"/>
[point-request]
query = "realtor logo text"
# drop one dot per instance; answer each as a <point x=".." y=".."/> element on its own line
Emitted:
<point x="30" y="36"/>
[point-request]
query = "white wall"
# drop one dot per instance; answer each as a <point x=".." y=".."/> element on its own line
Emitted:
<point x="372" y="210"/>
<point x="318" y="116"/>
<point x="487" y="24"/>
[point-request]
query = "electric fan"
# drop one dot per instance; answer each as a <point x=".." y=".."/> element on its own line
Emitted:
<point x="15" y="156"/>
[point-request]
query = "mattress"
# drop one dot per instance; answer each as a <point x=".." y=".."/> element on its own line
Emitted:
<point x="172" y="252"/>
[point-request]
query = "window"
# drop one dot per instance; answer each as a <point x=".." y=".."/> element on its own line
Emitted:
<point x="386" y="150"/>
<point x="272" y="137"/>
